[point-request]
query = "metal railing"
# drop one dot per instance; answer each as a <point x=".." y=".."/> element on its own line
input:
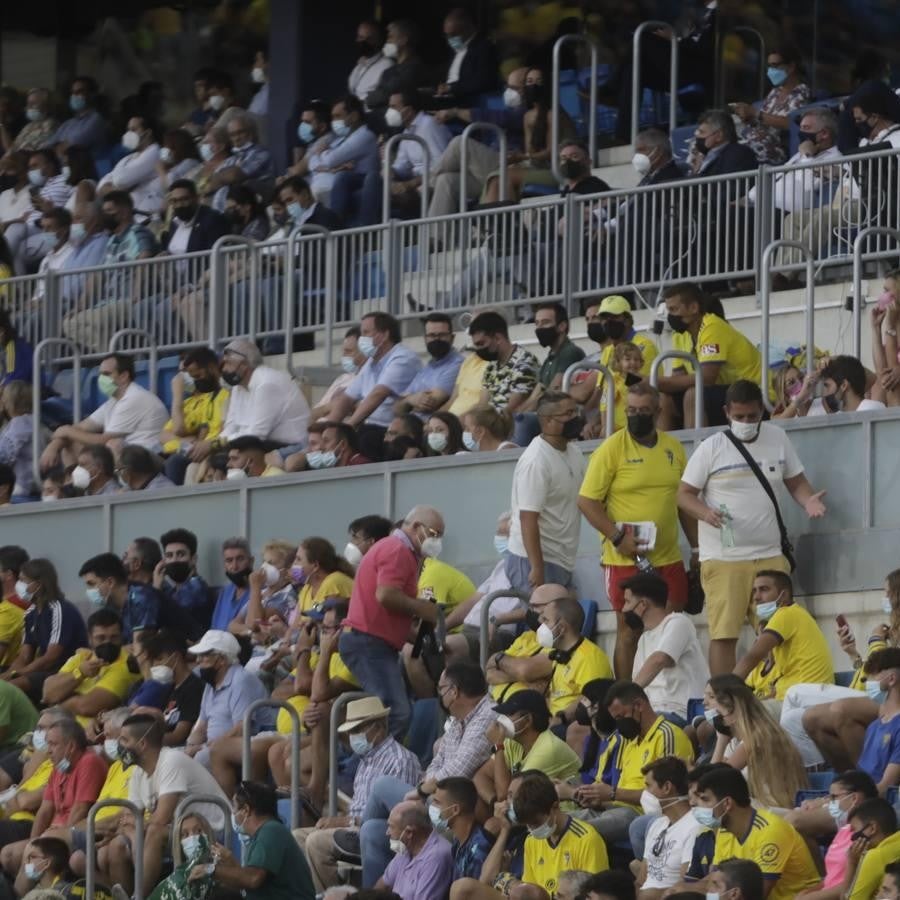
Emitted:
<point x="122" y="333"/>
<point x="637" y="87"/>
<point x="698" y="378"/>
<point x="861" y="239"/>
<point x="464" y="139"/>
<point x="137" y="850"/>
<point x="247" y="738"/>
<point x="765" y="308"/>
<point x="555" y="109"/>
<point x="387" y="169"/>
<point x="337" y="707"/>
<point x="609" y="386"/>
<point x="484" y="622"/>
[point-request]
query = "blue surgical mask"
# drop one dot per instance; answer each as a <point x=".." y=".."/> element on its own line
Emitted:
<point x="706" y="817"/>
<point x="367" y="346"/>
<point x="348" y="365"/>
<point x="765" y="611"/>
<point x="340" y="128"/>
<point x="438" y="822"/>
<point x="94" y="597"/>
<point x="839" y="815"/>
<point x="63" y="766"/>
<point x="305" y="133"/>
<point x="194" y="844"/>
<point x="33" y="114"/>
<point x="77" y="103"/>
<point x="469" y="442"/>
<point x="501" y="544"/>
<point x="296" y="210"/>
<point x="874" y="690"/>
<point x="32" y="872"/>
<point x="456" y="43"/>
<point x="709" y="715"/>
<point x="322" y="459"/>
<point x="360" y="744"/>
<point x="886" y="606"/>
<point x="39" y="739"/>
<point x="777" y="76"/>
<point x="542" y="832"/>
<point x="511" y="814"/>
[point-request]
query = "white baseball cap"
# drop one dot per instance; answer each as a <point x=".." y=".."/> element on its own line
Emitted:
<point x="215" y="641"/>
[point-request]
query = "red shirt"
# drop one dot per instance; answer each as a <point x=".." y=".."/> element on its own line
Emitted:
<point x="81" y="784"/>
<point x="391" y="562"/>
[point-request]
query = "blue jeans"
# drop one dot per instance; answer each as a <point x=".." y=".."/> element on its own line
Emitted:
<point x="345" y="196"/>
<point x="637" y="834"/>
<point x="387" y="792"/>
<point x="518" y="569"/>
<point x="376" y="666"/>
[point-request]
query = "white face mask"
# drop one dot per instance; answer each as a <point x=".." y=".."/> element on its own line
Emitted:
<point x="272" y="574"/>
<point x="469" y="441"/>
<point x="235" y="474"/>
<point x="81" y="478"/>
<point x="745" y="431"/>
<point x="397" y="846"/>
<point x="437" y="441"/>
<point x="545" y="635"/>
<point x="650" y="804"/>
<point x="393" y="119"/>
<point x="131" y="140"/>
<point x="641" y="163"/>
<point x="390" y="50"/>
<point x="165" y="155"/>
<point x="432" y="547"/>
<point x="353" y="554"/>
<point x="512" y="98"/>
<point x="217" y="102"/>
<point x="258" y="75"/>
<point x="111" y="748"/>
<point x="162" y="674"/>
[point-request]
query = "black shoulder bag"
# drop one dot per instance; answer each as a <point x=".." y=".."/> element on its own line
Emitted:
<point x="787" y="548"/>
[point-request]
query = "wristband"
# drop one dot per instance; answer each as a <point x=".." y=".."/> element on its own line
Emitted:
<point x="618" y="537"/>
<point x="612" y="795"/>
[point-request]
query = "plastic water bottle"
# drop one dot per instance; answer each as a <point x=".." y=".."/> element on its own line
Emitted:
<point x="644" y="566"/>
<point x="726" y="531"/>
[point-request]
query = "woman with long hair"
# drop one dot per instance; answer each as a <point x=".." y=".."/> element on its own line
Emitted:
<point x="443" y="435"/>
<point x="487" y="428"/>
<point x="322" y="572"/>
<point x="192" y="843"/>
<point x="775" y="771"/>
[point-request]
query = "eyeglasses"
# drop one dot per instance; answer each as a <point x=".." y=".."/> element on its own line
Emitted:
<point x="660" y="842"/>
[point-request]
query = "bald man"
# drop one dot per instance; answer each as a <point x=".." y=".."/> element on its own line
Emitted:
<point x="481" y="160"/>
<point x="384" y="604"/>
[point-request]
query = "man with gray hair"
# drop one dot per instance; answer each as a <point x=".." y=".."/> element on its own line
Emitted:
<point x="383" y="606"/>
<point x="716" y="146"/>
<point x="264" y="402"/>
<point x="250" y="163"/>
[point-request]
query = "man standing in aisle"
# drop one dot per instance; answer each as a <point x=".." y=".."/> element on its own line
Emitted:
<point x="739" y="531"/>
<point x="384" y="604"/>
<point x="632" y="479"/>
<point x="543" y="532"/>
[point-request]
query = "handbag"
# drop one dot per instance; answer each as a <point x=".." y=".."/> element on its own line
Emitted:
<point x="787" y="548"/>
<point x="429" y="646"/>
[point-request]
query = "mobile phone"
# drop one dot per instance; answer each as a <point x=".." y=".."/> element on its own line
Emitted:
<point x="841" y="620"/>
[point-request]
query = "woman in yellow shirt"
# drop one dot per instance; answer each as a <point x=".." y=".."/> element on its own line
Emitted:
<point x="324" y="573"/>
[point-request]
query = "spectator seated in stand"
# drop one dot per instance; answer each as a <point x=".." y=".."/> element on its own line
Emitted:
<point x="136" y="171"/>
<point x="352" y="360"/>
<point x="511" y="372"/>
<point x="876" y="844"/>
<point x="177" y="578"/>
<point x="408" y="70"/>
<point x="473" y="69"/>
<point x="372" y="59"/>
<point x="15" y="436"/>
<point x="141" y="470"/>
<point x="86" y="127"/>
<point x="247" y="459"/>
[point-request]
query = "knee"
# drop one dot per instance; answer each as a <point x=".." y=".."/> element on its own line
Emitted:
<point x="463" y="888"/>
<point x="77" y="863"/>
<point x="372" y="833"/>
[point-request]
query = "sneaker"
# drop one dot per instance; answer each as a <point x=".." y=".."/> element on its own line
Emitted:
<point x="346" y="843"/>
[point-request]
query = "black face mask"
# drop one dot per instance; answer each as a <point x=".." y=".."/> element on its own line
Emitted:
<point x="582" y="716"/>
<point x="641" y="425"/>
<point x="366" y="48"/>
<point x="127" y="757"/>
<point x="631" y="378"/>
<point x="487" y="354"/>
<point x="533" y="93"/>
<point x="832" y="402"/>
<point x="239" y="578"/>
<point x="596" y="332"/>
<point x="438" y="349"/>
<point x="629" y="728"/>
<point x="133" y="665"/>
<point x="573" y="428"/>
<point x="720" y="726"/>
<point x="546" y="336"/>
<point x="633" y="620"/>
<point x="108" y="652"/>
<point x="677" y="324"/>
<point x="109" y="222"/>
<point x="206" y="385"/>
<point x="572" y="169"/>
<point x="232" y="378"/>
<point x="208" y="674"/>
<point x="700" y="146"/>
<point x="615" y="329"/>
<point x="532" y="620"/>
<point x="186" y="213"/>
<point x="863" y="129"/>
<point x="807" y="136"/>
<point x="178" y="571"/>
<point x="603" y="722"/>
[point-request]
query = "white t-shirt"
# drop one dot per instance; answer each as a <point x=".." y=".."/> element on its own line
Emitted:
<point x="547" y="481"/>
<point x="817" y="407"/>
<point x="717" y="468"/>
<point x="496" y="581"/>
<point x="137" y="414"/>
<point x="177" y="773"/>
<point x="670" y="691"/>
<point x="272" y="407"/>
<point x="675" y="848"/>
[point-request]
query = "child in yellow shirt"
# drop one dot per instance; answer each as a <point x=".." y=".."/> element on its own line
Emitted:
<point x="626" y="364"/>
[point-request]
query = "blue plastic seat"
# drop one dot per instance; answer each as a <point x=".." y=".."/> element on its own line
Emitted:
<point x="821" y="781"/>
<point x="844" y="678"/>
<point x="589" y="608"/>
<point x="423" y="729"/>
<point x="808" y="795"/>
<point x="694" y="708"/>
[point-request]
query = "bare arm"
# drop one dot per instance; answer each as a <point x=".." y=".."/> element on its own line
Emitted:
<point x="531" y="538"/>
<point x="762" y="647"/>
<point x="395" y="600"/>
<point x="681" y="381"/>
<point x="653" y="665"/>
<point x="689" y="502"/>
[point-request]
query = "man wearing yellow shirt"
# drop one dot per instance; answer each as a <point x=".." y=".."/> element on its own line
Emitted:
<point x="790" y="634"/>
<point x="576" y="660"/>
<point x="724" y="354"/>
<point x="96" y="680"/>
<point x="633" y="477"/>
<point x="646" y="738"/>
<point x="743" y="832"/>
<point x="247" y="459"/>
<point x="467" y="390"/>
<point x="876" y="845"/>
<point x="199" y="404"/>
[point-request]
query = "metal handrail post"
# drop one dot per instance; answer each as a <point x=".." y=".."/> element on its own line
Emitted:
<point x="151" y="344"/>
<point x="289" y="286"/>
<point x="218" y="282"/>
<point x="468" y="131"/>
<point x="36" y="386"/>
<point x="485" y="620"/>
<point x="386" y="174"/>
<point x="137" y="854"/>
<point x="337" y="707"/>
<point x="586" y="365"/>
<point x="698" y="378"/>
<point x="765" y="311"/>
<point x="554" y="110"/>
<point x="858" y="242"/>
<point x="246" y="761"/>
<point x="190" y="800"/>
<point x="748" y="29"/>
<point x="636" y="88"/>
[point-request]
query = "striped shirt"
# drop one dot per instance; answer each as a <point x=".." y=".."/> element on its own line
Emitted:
<point x="464" y="748"/>
<point x="388" y="758"/>
<point x="56" y="622"/>
<point x="56" y="190"/>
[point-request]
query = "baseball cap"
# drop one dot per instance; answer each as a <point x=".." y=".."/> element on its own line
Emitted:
<point x="531" y="702"/>
<point x="215" y="641"/>
<point x="614" y="306"/>
<point x="242" y="347"/>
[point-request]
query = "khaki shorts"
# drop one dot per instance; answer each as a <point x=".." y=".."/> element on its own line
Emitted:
<point x="728" y="585"/>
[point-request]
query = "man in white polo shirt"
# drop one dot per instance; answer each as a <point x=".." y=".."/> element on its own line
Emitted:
<point x="131" y="415"/>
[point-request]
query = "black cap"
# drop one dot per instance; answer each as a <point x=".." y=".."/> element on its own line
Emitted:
<point x="524" y="701"/>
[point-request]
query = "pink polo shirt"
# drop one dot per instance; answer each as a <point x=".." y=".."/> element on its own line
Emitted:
<point x="836" y="858"/>
<point x="391" y="562"/>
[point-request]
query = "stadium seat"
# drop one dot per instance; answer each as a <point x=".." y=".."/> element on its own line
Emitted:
<point x="844" y="678"/>
<point x="808" y="795"/>
<point x="166" y="369"/>
<point x="681" y="141"/>
<point x="694" y="708"/>
<point x="821" y="781"/>
<point x="589" y="608"/>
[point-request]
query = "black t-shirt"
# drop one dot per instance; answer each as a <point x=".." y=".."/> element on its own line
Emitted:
<point x="590" y="185"/>
<point x="184" y="702"/>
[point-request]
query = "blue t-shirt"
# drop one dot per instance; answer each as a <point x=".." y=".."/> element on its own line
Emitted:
<point x="702" y="856"/>
<point x="150" y="693"/>
<point x="59" y="622"/>
<point x="229" y="606"/>
<point x="141" y="610"/>
<point x="468" y="858"/>
<point x="192" y="595"/>
<point x="881" y="747"/>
